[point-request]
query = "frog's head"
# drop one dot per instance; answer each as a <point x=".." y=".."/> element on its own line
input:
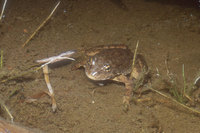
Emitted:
<point x="98" y="69"/>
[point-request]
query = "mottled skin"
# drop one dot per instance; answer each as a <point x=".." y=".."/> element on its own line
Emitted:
<point x="112" y="62"/>
<point x="108" y="64"/>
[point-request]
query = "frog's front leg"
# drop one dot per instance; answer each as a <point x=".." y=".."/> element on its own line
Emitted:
<point x="128" y="86"/>
<point x="78" y="64"/>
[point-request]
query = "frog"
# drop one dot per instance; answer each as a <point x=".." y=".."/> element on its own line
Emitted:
<point x="113" y="63"/>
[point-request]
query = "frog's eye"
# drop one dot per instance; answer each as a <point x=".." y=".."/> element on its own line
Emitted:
<point x="107" y="67"/>
<point x="91" y="61"/>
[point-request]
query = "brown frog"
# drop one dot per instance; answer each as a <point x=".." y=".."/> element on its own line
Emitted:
<point x="112" y="62"/>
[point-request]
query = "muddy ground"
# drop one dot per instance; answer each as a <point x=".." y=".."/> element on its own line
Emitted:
<point x="167" y="30"/>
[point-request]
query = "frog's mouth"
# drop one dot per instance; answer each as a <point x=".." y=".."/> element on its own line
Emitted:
<point x="92" y="75"/>
<point x="95" y="76"/>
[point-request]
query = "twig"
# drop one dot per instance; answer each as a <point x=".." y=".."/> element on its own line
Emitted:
<point x="134" y="57"/>
<point x="51" y="92"/>
<point x="7" y="110"/>
<point x="41" y="24"/>
<point x="60" y="57"/>
<point x="158" y="73"/>
<point x="2" y="11"/>
<point x="14" y="91"/>
<point x="184" y="106"/>
<point x="1" y="65"/>
<point x="184" y="82"/>
<point x="168" y="72"/>
<point x="20" y="75"/>
<point x="170" y="75"/>
<point x="184" y="86"/>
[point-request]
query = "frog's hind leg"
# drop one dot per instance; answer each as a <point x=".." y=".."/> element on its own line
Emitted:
<point x="128" y="86"/>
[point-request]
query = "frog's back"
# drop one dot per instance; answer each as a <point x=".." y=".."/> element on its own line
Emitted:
<point x="120" y="60"/>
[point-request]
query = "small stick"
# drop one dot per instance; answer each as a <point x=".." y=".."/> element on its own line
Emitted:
<point x="168" y="72"/>
<point x="184" y="82"/>
<point x="184" y="106"/>
<point x="14" y="92"/>
<point x="1" y="65"/>
<point x="7" y="110"/>
<point x="20" y="75"/>
<point x="170" y="75"/>
<point x="158" y="74"/>
<point x="41" y="25"/>
<point x="184" y="86"/>
<point x="60" y="57"/>
<point x="51" y="92"/>
<point x="132" y="73"/>
<point x="4" y="5"/>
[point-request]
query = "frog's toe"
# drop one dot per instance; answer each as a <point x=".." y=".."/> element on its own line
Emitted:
<point x="126" y="102"/>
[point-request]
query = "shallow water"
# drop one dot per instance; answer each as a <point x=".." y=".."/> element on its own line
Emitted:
<point x="166" y="31"/>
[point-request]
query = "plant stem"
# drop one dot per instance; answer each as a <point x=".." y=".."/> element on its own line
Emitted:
<point x="1" y="65"/>
<point x="134" y="57"/>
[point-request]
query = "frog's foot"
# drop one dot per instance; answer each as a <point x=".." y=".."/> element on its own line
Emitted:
<point x="139" y="92"/>
<point x="128" y="88"/>
<point x="127" y="97"/>
<point x="141" y="100"/>
<point x="126" y="102"/>
<point x="77" y="65"/>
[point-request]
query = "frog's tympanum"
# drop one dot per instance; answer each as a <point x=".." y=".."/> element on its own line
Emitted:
<point x="113" y="62"/>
